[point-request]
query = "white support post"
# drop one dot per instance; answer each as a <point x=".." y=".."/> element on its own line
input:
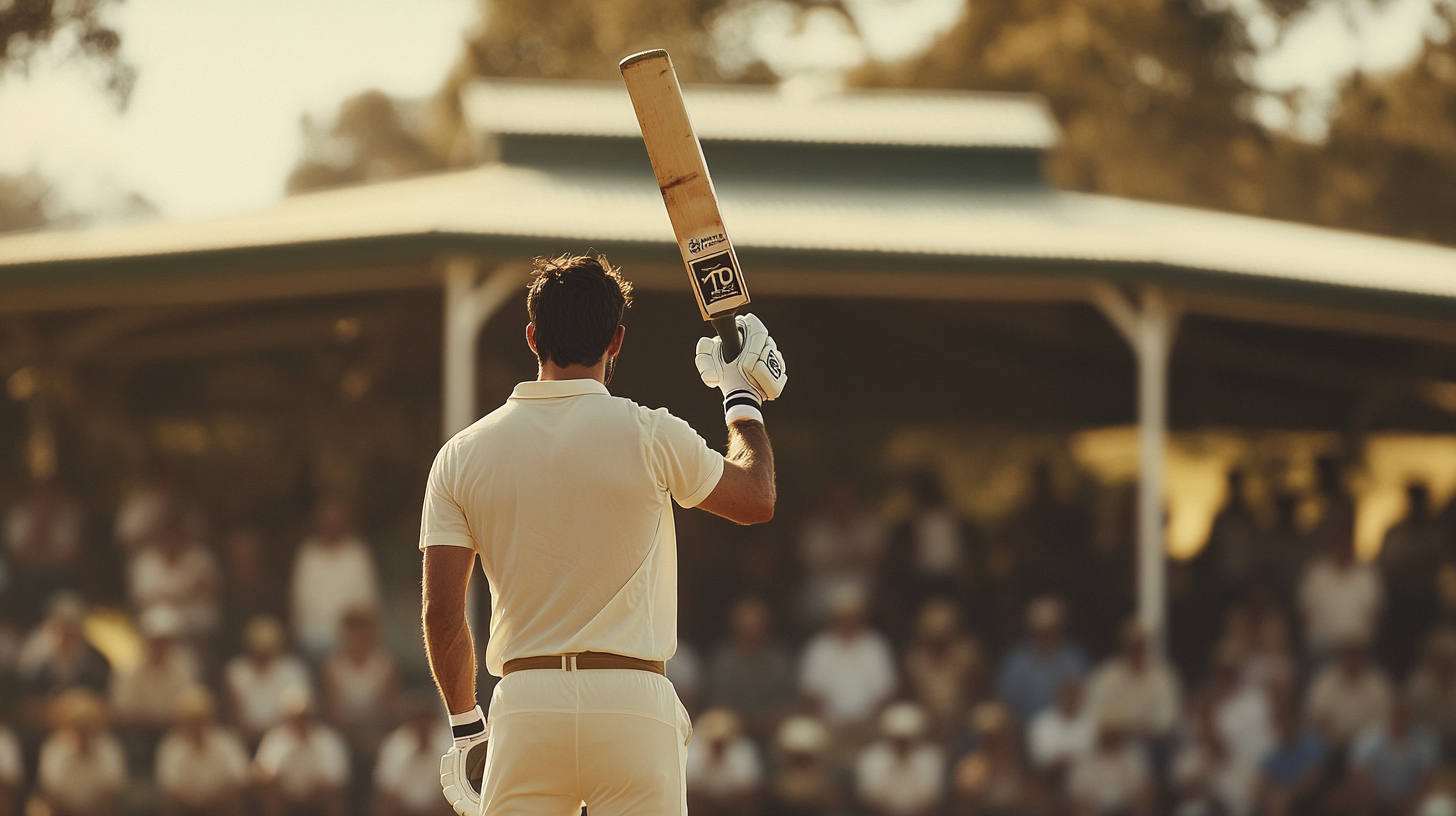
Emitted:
<point x="1149" y="330"/>
<point x="469" y="303"/>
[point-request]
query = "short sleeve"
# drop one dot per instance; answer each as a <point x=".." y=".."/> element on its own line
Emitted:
<point x="681" y="461"/>
<point x="442" y="523"/>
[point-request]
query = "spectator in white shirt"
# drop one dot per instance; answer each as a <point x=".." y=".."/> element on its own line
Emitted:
<point x="1061" y="733"/>
<point x="1208" y="776"/>
<point x="177" y="570"/>
<point x="901" y="774"/>
<point x="82" y="768"/>
<point x="848" y="671"/>
<point x="945" y="669"/>
<point x="1113" y="779"/>
<point x="361" y="686"/>
<point x="1347" y="695"/>
<point x="724" y="774"/>
<point x="57" y="656"/>
<point x="1242" y="713"/>
<point x="1136" y="689"/>
<point x="255" y="681"/>
<point x="333" y="573"/>
<point x="840" y="546"/>
<point x="1340" y="598"/>
<point x="12" y="770"/>
<point x="407" y="775"/>
<point x="302" y="765"/>
<point x="144" y="698"/>
<point x="202" y="768"/>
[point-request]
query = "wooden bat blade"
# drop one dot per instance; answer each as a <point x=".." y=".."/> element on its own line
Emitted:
<point x="687" y="188"/>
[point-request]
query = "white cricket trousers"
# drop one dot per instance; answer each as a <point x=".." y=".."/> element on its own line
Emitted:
<point x="615" y="739"/>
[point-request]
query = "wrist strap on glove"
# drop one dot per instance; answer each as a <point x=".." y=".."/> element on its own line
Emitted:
<point x="742" y="403"/>
<point x="467" y="726"/>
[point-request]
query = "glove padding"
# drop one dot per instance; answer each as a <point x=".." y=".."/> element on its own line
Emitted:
<point x="760" y="367"/>
<point x="462" y="768"/>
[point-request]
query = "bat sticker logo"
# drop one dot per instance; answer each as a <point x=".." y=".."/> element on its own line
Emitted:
<point x="696" y="245"/>
<point x="717" y="277"/>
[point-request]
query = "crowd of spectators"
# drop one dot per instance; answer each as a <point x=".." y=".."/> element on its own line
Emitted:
<point x="928" y="669"/>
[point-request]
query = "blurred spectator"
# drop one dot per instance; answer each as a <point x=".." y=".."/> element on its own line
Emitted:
<point x="57" y="655"/>
<point x="803" y="784"/>
<point x="1290" y="774"/>
<point x="255" y="681"/>
<point x="43" y="542"/>
<point x="361" y="687"/>
<point x="82" y="768"/>
<point x="724" y="772"/>
<point x="929" y="556"/>
<point x="333" y="573"/>
<point x="248" y="589"/>
<point x="1431" y="689"/>
<point x="1208" y="776"/>
<point x="1051" y="540"/>
<point x="752" y="674"/>
<point x="848" y="671"/>
<point x="1241" y="712"/>
<point x="177" y="570"/>
<point x="840" y="547"/>
<point x="685" y="672"/>
<point x="1439" y="797"/>
<point x="1348" y="695"/>
<point x="1337" y="508"/>
<point x="407" y="776"/>
<point x="1113" y="778"/>
<point x="1231" y="558"/>
<point x="12" y="770"/>
<point x="202" y="768"/>
<point x="991" y="780"/>
<point x="1136" y="689"/>
<point x="944" y="668"/>
<point x="1032" y="672"/>
<point x="1269" y="664"/>
<point x="302" y="765"/>
<point x="143" y="510"/>
<point x="1061" y="733"/>
<point x="1410" y="557"/>
<point x="1340" y="599"/>
<point x="901" y="774"/>
<point x="1391" y="760"/>
<point x="144" y="698"/>
<point x="1287" y="548"/>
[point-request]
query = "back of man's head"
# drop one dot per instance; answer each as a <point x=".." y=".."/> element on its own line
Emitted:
<point x="576" y="303"/>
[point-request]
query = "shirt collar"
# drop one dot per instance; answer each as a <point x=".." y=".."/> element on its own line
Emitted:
<point x="555" y="389"/>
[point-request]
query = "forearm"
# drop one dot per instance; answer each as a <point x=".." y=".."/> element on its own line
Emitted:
<point x="448" y="645"/>
<point x="749" y="449"/>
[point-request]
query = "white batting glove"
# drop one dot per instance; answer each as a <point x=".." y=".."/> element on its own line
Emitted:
<point x="758" y="375"/>
<point x="462" y="769"/>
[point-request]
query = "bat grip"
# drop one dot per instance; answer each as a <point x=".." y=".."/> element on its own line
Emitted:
<point x="727" y="329"/>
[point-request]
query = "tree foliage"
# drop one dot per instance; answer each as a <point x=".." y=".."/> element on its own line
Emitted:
<point x="25" y="202"/>
<point x="28" y="27"/>
<point x="373" y="137"/>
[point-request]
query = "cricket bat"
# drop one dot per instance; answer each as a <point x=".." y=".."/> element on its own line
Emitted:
<point x="687" y="190"/>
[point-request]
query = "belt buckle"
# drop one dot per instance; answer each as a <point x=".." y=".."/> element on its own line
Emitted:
<point x="568" y="662"/>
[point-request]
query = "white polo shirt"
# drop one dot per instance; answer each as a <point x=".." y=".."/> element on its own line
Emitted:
<point x="565" y="493"/>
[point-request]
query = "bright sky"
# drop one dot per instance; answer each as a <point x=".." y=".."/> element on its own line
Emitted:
<point x="213" y="124"/>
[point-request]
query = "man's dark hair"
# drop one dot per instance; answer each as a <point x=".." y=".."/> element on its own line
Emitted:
<point x="576" y="303"/>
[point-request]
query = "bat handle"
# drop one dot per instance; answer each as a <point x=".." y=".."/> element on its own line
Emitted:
<point x="727" y="329"/>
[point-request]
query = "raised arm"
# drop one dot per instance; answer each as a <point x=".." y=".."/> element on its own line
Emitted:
<point x="746" y="493"/>
<point x="447" y="633"/>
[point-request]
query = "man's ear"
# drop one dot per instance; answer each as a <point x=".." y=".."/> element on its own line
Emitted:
<point x="615" y="347"/>
<point x="531" y="336"/>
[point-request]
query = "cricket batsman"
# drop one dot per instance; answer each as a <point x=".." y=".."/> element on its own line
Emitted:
<point x="565" y="493"/>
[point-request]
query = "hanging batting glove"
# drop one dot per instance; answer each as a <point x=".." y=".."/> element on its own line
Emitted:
<point x="463" y="767"/>
<point x="758" y="375"/>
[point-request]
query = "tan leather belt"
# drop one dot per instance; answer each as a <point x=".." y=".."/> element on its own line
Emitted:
<point x="584" y="660"/>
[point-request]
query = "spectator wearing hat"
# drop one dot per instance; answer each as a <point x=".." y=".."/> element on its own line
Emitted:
<point x="1391" y="762"/>
<point x="144" y="699"/>
<point x="752" y="674"/>
<point x="991" y="780"/>
<point x="928" y="556"/>
<point x="1431" y="688"/>
<point x="944" y="667"/>
<point x="724" y="773"/>
<point x="255" y="680"/>
<point x="1291" y="773"/>
<point x="1113" y="779"/>
<point x="803" y="785"/>
<point x="1339" y="597"/>
<point x="177" y="570"/>
<point x="12" y="770"/>
<point x="43" y="546"/>
<point x="333" y="573"/>
<point x="361" y="687"/>
<point x="407" y="774"/>
<point x="1348" y="695"/>
<point x="202" y="768"/>
<point x="1136" y="689"/>
<point x="57" y="656"/>
<point x="901" y="774"/>
<point x="82" y="768"/>
<point x="1034" y="669"/>
<point x="848" y="671"/>
<point x="302" y="765"/>
<point x="1061" y="734"/>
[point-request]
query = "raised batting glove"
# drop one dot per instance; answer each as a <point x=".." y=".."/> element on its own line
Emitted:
<point x="756" y="376"/>
<point x="463" y="767"/>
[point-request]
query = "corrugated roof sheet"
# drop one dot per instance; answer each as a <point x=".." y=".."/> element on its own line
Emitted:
<point x="971" y="223"/>
<point x="727" y="113"/>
